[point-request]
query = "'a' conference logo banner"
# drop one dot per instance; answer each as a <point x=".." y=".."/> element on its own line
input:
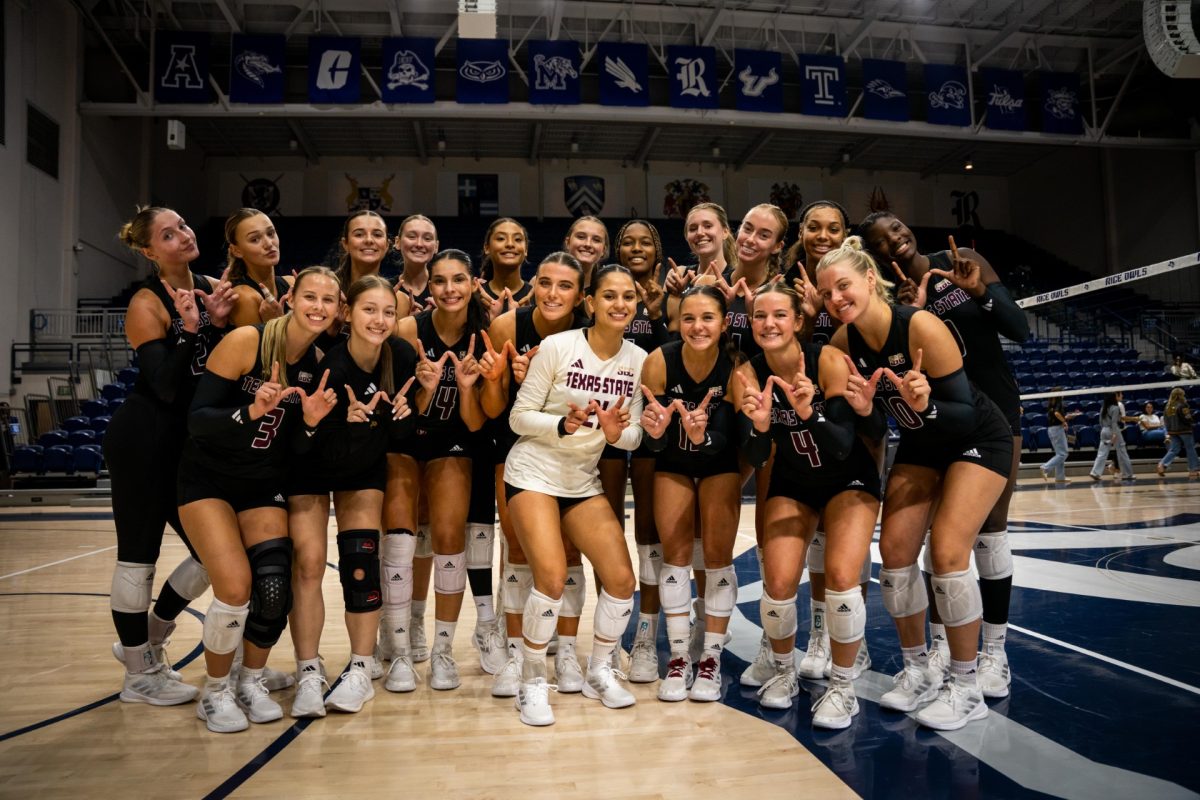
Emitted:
<point x="334" y="67"/>
<point x="181" y="67"/>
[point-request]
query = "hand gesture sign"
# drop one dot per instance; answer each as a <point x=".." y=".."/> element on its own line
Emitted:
<point x="913" y="387"/>
<point x="494" y="362"/>
<point x="318" y="404"/>
<point x="694" y="422"/>
<point x="185" y="306"/>
<point x="268" y="308"/>
<point x="269" y="395"/>
<point x="799" y="392"/>
<point x="428" y="372"/>
<point x="908" y="291"/>
<point x="655" y="416"/>
<point x="651" y="296"/>
<point x="359" y="411"/>
<point x="466" y="369"/>
<point x="286" y="300"/>
<point x="810" y="299"/>
<point x="860" y="391"/>
<point x="965" y="273"/>
<point x="575" y="418"/>
<point x="520" y="362"/>
<point x="678" y="278"/>
<point x="500" y="304"/>
<point x="400" y="406"/>
<point x="612" y="420"/>
<point x="756" y="403"/>
<point x="220" y="301"/>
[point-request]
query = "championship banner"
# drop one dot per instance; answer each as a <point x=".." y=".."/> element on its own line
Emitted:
<point x="181" y="67"/>
<point x="554" y="73"/>
<point x="1061" y="112"/>
<point x="759" y="80"/>
<point x="885" y="90"/>
<point x="947" y="96"/>
<point x="693" y="73"/>
<point x="482" y="71"/>
<point x="333" y="69"/>
<point x="823" y="85"/>
<point x="1005" y="93"/>
<point x="256" y="68"/>
<point x="407" y="70"/>
<point x="624" y="72"/>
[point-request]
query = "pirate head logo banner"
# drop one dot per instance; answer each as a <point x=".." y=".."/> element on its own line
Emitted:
<point x="256" y="69"/>
<point x="408" y="70"/>
<point x="583" y="195"/>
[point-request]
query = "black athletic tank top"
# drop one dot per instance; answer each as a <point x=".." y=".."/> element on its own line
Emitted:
<point x="518" y="295"/>
<point x="206" y="341"/>
<point x="443" y="413"/>
<point x="281" y="285"/>
<point x="737" y="320"/>
<point x="824" y="325"/>
<point x="681" y="386"/>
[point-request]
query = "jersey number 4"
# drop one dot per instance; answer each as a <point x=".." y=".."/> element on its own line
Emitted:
<point x="803" y="443"/>
<point x="268" y="426"/>
<point x="444" y="401"/>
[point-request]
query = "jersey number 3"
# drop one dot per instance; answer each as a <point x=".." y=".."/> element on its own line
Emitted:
<point x="268" y="426"/>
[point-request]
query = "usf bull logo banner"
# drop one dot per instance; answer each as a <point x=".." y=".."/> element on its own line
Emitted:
<point x="583" y="195"/>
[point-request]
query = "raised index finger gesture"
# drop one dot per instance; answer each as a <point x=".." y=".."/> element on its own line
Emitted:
<point x="655" y="416"/>
<point x="695" y="421"/>
<point x="965" y="273"/>
<point x="493" y="363"/>
<point x="860" y="391"/>
<point x="756" y="403"/>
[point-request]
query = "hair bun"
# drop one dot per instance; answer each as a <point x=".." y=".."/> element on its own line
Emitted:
<point x="853" y="243"/>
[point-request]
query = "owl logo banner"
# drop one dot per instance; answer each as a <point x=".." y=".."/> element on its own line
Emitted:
<point x="482" y="71"/>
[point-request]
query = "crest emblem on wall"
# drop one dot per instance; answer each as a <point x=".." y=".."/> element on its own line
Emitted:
<point x="583" y="194"/>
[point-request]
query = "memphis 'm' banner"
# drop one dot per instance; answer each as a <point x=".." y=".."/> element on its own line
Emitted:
<point x="946" y="95"/>
<point x="554" y="72"/>
<point x="482" y="71"/>
<point x="759" y="76"/>
<point x="181" y="67"/>
<point x="823" y="85"/>
<point x="407" y="70"/>
<point x="1005" y="93"/>
<point x="624" y="73"/>
<point x="256" y="68"/>
<point x="693" y="73"/>
<point x="885" y="90"/>
<point x="1061" y="112"/>
<point x="333" y="68"/>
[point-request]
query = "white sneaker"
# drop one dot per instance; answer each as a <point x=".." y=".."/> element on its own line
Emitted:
<point x="401" y="676"/>
<point x="603" y="684"/>
<point x="836" y="708"/>
<point x="911" y="687"/>
<point x="352" y="691"/>
<point x="781" y="689"/>
<point x="507" y="682"/>
<point x="954" y="707"/>
<point x="159" y="651"/>
<point x="675" y="685"/>
<point x="567" y="672"/>
<point x="762" y="668"/>
<point x="418" y="646"/>
<point x="492" y="646"/>
<point x="255" y="699"/>
<point x="276" y="681"/>
<point x="707" y="686"/>
<point x="220" y="712"/>
<point x="443" y="671"/>
<point x="862" y="662"/>
<point x="939" y="663"/>
<point x="533" y="701"/>
<point x="310" y="696"/>
<point x="157" y="688"/>
<point x="818" y="658"/>
<point x="994" y="677"/>
<point x="643" y="661"/>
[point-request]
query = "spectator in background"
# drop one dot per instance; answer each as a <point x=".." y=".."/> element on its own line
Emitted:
<point x="1151" y="426"/>
<point x="1179" y="434"/>
<point x="1056" y="428"/>
<point x="1182" y="369"/>
<point x="1112" y="420"/>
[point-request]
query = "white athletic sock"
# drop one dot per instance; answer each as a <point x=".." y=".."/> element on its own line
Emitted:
<point x="485" y="613"/>
<point x="714" y="643"/>
<point x="995" y="634"/>
<point x="678" y="631"/>
<point x="366" y="661"/>
<point x="304" y="665"/>
<point x="601" y="651"/>
<point x="648" y="626"/>
<point x="565" y="642"/>
<point x="818" y="618"/>
<point x="160" y="628"/>
<point x="937" y="635"/>
<point x="915" y="655"/>
<point x="418" y="609"/>
<point x="787" y="659"/>
<point x="963" y="673"/>
<point x="514" y="643"/>
<point x="443" y="633"/>
<point x="248" y="675"/>
<point x="842" y="674"/>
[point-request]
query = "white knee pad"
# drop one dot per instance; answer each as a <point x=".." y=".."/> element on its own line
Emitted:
<point x="424" y="542"/>
<point x="845" y="615"/>
<point x="515" y="586"/>
<point x="397" y="575"/>
<point x="480" y="545"/>
<point x="449" y="573"/>
<point x="224" y="626"/>
<point x="720" y="593"/>
<point x="674" y="589"/>
<point x="649" y="563"/>
<point x="903" y="591"/>
<point x="958" y="599"/>
<point x="132" y="585"/>
<point x="993" y="556"/>
<point x="189" y="579"/>
<point x="697" y="555"/>
<point x="612" y="616"/>
<point x="816" y="553"/>
<point x="574" y="592"/>
<point x="927" y="556"/>
<point x="541" y="618"/>
<point x="864" y="574"/>
<point x="778" y="616"/>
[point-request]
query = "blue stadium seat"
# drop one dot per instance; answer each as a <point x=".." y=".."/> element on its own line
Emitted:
<point x="76" y="424"/>
<point x="100" y="424"/>
<point x="1041" y="438"/>
<point x="1036" y="420"/>
<point x="93" y="408"/>
<point x="1132" y="435"/>
<point x="1033" y="435"/>
<point x="28" y="458"/>
<point x="60" y="458"/>
<point x="51" y="438"/>
<point x="88" y="458"/>
<point x="113" y="391"/>
<point x="1026" y="439"/>
<point x="113" y="405"/>
<point x="127" y="376"/>
<point x="85" y="436"/>
<point x="1088" y="436"/>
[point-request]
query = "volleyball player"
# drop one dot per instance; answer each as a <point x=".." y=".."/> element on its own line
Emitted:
<point x="513" y="340"/>
<point x="174" y="320"/>
<point x="372" y="373"/>
<point x="688" y="422"/>
<point x="707" y="233"/>
<point x="252" y="246"/>
<point x="581" y="391"/>
<point x="416" y="242"/>
<point x="793" y="396"/>
<point x="587" y="241"/>
<point x="951" y="466"/>
<point x="962" y="289"/>
<point x="257" y="404"/>
<point x="435" y="462"/>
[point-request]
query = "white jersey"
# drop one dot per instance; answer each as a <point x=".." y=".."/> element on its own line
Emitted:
<point x="566" y="370"/>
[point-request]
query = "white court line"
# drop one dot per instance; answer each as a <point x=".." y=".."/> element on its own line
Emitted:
<point x="55" y="563"/>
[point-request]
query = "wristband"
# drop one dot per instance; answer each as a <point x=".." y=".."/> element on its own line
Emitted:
<point x="562" y="427"/>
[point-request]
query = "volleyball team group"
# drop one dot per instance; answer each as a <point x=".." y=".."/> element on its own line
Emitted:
<point x="425" y="407"/>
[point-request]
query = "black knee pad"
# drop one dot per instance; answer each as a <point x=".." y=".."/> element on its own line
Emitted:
<point x="270" y="591"/>
<point x="359" y="550"/>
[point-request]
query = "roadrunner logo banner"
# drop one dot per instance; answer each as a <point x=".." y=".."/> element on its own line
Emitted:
<point x="408" y="70"/>
<point x="181" y="67"/>
<point x="583" y="194"/>
<point x="946" y="93"/>
<point x="334" y="69"/>
<point x="554" y="73"/>
<point x="624" y="73"/>
<point x="885" y="85"/>
<point x="256" y="69"/>
<point x="693" y="73"/>
<point x="759" y="81"/>
<point x="482" y="71"/>
<point x="1060" y="103"/>
<point x="1005" y="92"/>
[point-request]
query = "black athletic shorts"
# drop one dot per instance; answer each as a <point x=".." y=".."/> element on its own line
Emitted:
<point x="565" y="504"/>
<point x="199" y="483"/>
<point x="432" y="445"/>
<point x="816" y="490"/>
<point x="993" y="450"/>
<point x="697" y="466"/>
<point x="307" y="480"/>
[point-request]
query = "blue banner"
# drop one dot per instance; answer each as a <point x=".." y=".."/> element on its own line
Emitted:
<point x="885" y="90"/>
<point x="823" y="85"/>
<point x="407" y="70"/>
<point x="760" y="80"/>
<point x="256" y="68"/>
<point x="181" y="67"/>
<point x="554" y="73"/>
<point x="1005" y="93"/>
<point x="947" y="95"/>
<point x="624" y="74"/>
<point x="1061" y="109"/>
<point x="482" y="71"/>
<point x="333" y="69"/>
<point x="693" y="72"/>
